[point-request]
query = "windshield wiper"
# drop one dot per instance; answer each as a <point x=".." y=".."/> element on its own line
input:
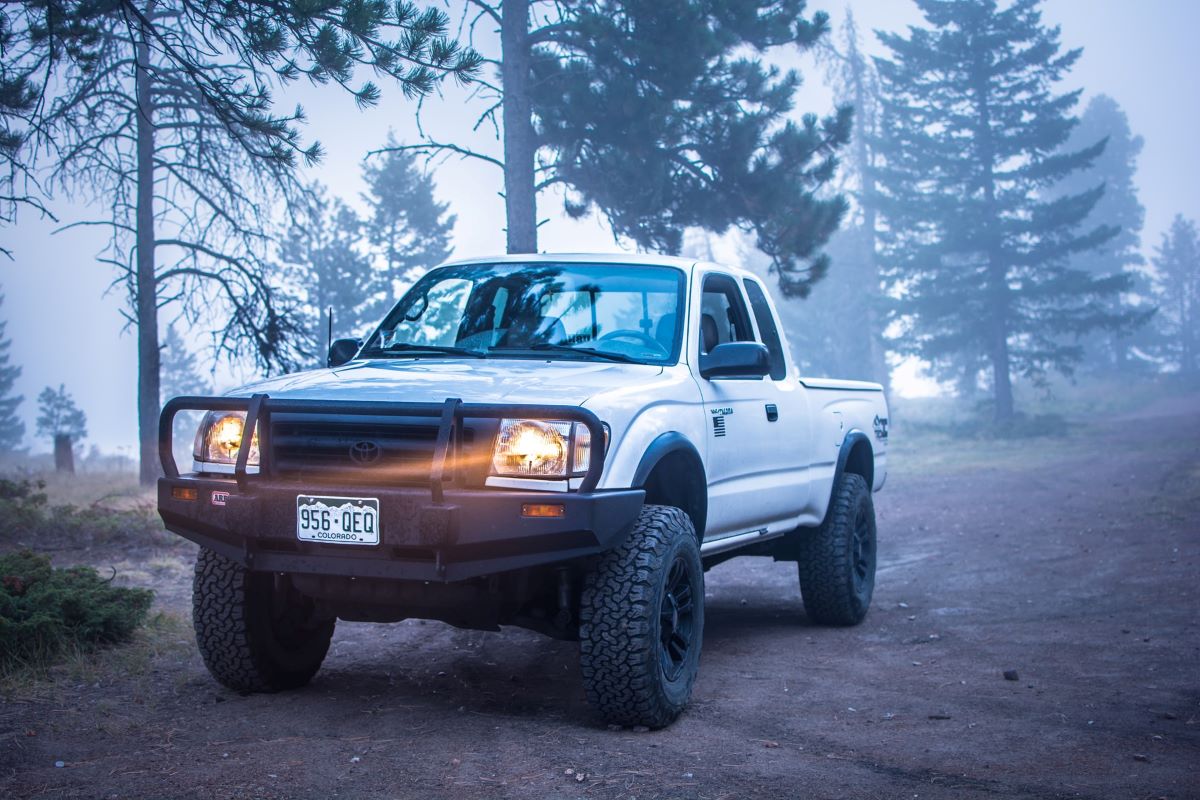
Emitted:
<point x="409" y="347"/>
<point x="566" y="348"/>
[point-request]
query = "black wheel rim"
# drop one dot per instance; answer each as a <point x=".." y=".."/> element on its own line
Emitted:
<point x="677" y="615"/>
<point x="863" y="555"/>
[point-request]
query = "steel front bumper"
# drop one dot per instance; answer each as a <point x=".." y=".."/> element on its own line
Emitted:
<point x="473" y="533"/>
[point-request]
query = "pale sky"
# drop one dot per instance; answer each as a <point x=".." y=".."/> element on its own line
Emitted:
<point x="66" y="329"/>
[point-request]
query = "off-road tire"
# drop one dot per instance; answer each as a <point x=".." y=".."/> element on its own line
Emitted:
<point x="837" y="560"/>
<point x="631" y="599"/>
<point x="255" y="633"/>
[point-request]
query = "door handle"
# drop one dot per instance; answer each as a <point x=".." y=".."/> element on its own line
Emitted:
<point x="772" y="412"/>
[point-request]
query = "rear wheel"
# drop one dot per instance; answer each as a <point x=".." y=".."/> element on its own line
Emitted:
<point x="255" y="632"/>
<point x="837" y="560"/>
<point x="642" y="622"/>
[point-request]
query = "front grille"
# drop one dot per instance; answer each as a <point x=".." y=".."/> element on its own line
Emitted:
<point x="366" y="449"/>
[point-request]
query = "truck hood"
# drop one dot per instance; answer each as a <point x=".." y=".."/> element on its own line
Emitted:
<point x="472" y="380"/>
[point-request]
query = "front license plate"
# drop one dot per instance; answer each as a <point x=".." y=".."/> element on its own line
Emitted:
<point x="337" y="520"/>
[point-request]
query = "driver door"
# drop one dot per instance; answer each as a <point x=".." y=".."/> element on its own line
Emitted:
<point x="739" y="497"/>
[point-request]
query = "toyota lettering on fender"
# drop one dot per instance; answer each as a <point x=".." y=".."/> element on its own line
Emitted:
<point x="563" y="443"/>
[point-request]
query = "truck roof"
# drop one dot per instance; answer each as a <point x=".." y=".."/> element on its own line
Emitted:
<point x="648" y="259"/>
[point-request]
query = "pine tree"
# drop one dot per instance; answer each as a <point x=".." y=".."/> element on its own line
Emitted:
<point x="662" y="115"/>
<point x="325" y="255"/>
<point x="163" y="115"/>
<point x="180" y="372"/>
<point x="409" y="230"/>
<point x="1177" y="285"/>
<point x="12" y="428"/>
<point x="61" y="421"/>
<point x="972" y="143"/>
<point x="1119" y="207"/>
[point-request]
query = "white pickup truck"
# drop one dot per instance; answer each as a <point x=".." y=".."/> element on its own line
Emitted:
<point x="560" y="442"/>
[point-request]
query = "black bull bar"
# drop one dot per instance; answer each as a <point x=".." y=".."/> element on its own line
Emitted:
<point x="466" y="531"/>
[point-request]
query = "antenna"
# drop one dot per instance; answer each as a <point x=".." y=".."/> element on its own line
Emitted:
<point x="329" y="337"/>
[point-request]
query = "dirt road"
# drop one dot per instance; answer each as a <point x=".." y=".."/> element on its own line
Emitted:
<point x="1073" y="562"/>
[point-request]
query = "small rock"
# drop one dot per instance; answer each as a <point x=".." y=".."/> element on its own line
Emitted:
<point x="568" y="771"/>
<point x="1011" y="675"/>
<point x="580" y="777"/>
<point x="454" y="762"/>
<point x="916" y="663"/>
<point x="1140" y="757"/>
<point x="743" y="602"/>
<point x="355" y="759"/>
<point x="911" y="617"/>
<point x="640" y="729"/>
<point x="934" y="636"/>
<point x="60" y="764"/>
<point x="939" y="716"/>
<point x="614" y="727"/>
<point x="688" y="775"/>
<point x="1168" y="715"/>
<point x="902" y="605"/>
<point x="770" y="745"/>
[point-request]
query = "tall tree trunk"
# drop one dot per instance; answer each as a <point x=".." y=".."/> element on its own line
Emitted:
<point x="148" y="400"/>
<point x="520" y="143"/>
<point x="64" y="456"/>
<point x="877" y="351"/>
<point x="1001" y="379"/>
<point x="997" y="268"/>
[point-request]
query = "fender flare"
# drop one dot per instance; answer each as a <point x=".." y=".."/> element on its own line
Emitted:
<point x="853" y="438"/>
<point x="675" y="443"/>
<point x="662" y="446"/>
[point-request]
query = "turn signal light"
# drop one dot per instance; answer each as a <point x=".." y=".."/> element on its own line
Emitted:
<point x="184" y="493"/>
<point x="543" y="510"/>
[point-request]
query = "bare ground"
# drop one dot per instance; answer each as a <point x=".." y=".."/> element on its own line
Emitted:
<point x="1073" y="561"/>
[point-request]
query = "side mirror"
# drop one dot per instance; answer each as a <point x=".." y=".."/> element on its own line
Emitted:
<point x="341" y="351"/>
<point x="735" y="360"/>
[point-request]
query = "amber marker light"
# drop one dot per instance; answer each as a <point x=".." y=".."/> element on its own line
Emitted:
<point x="543" y="510"/>
<point x="184" y="493"/>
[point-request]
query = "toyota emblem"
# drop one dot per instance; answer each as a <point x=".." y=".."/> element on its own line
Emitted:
<point x="365" y="452"/>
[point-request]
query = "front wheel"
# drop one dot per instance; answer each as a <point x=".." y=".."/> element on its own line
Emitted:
<point x="837" y="560"/>
<point x="642" y="622"/>
<point x="255" y="632"/>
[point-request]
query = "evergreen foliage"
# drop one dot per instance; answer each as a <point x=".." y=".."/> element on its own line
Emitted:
<point x="663" y="115"/>
<point x="1119" y="207"/>
<point x="46" y="611"/>
<point x="979" y="244"/>
<point x="409" y="230"/>
<point x="179" y="369"/>
<point x="163" y="116"/>
<point x="12" y="428"/>
<point x="355" y="265"/>
<point x="324" y="257"/>
<point x="59" y="416"/>
<point x="1177" y="289"/>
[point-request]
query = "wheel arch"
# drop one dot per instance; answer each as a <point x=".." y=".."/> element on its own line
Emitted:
<point x="672" y="473"/>
<point x="857" y="457"/>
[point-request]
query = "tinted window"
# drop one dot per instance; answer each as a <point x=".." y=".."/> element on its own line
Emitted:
<point x="539" y="310"/>
<point x="722" y="314"/>
<point x="766" y="327"/>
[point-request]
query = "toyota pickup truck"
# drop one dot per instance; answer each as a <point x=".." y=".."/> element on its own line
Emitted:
<point x="560" y="442"/>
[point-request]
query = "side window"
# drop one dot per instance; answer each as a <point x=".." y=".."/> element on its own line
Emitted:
<point x="723" y="315"/>
<point x="766" y="327"/>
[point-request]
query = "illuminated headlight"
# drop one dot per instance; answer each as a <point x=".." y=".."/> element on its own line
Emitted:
<point x="220" y="437"/>
<point x="532" y="448"/>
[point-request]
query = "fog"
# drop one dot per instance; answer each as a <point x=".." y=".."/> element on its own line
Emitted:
<point x="65" y="321"/>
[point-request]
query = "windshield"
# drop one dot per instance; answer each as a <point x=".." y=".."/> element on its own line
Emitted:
<point x="541" y="310"/>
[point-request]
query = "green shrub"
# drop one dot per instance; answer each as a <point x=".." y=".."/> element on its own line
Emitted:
<point x="26" y="517"/>
<point x="45" y="611"/>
